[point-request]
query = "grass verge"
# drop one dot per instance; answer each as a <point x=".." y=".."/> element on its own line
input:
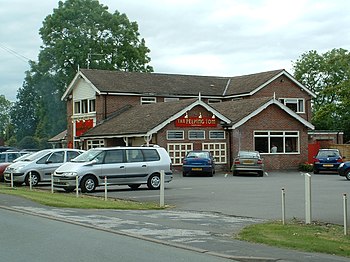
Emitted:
<point x="71" y="201"/>
<point x="315" y="237"/>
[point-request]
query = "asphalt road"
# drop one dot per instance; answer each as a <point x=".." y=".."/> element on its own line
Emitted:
<point x="32" y="238"/>
<point x="250" y="196"/>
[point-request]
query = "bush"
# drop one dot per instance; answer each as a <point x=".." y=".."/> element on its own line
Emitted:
<point x="307" y="167"/>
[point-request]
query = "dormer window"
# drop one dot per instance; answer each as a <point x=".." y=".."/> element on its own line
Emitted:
<point x="295" y="104"/>
<point x="84" y="106"/>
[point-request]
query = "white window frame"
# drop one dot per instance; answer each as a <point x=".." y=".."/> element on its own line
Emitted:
<point x="216" y="131"/>
<point x="191" y="132"/>
<point x="170" y="99"/>
<point x="218" y="151"/>
<point x="148" y="100"/>
<point x="284" y="134"/>
<point x="213" y="101"/>
<point x="299" y="102"/>
<point x="78" y="106"/>
<point x="95" y="143"/>
<point x="177" y="151"/>
<point x="175" y="131"/>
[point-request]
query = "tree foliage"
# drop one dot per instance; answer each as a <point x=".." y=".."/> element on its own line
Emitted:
<point x="328" y="76"/>
<point x="79" y="33"/>
<point x="5" y="106"/>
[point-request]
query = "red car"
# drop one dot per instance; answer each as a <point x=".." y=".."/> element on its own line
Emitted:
<point x="6" y="164"/>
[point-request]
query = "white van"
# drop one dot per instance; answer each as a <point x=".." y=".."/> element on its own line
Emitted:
<point x="132" y="166"/>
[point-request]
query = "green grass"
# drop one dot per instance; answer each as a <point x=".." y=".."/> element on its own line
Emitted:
<point x="315" y="237"/>
<point x="59" y="199"/>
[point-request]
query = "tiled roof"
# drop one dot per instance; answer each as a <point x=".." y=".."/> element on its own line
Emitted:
<point x="173" y="84"/>
<point x="139" y="119"/>
<point x="58" y="138"/>
<point x="142" y="118"/>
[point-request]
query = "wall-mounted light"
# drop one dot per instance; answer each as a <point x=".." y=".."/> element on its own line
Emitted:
<point x="213" y="116"/>
<point x="186" y="116"/>
<point x="200" y="115"/>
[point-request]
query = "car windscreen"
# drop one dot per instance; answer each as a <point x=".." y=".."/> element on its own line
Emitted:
<point x="243" y="154"/>
<point x="87" y="156"/>
<point x="35" y="156"/>
<point x="328" y="153"/>
<point x="198" y="155"/>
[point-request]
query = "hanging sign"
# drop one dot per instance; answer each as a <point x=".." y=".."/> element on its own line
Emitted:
<point x="196" y="122"/>
<point x="82" y="126"/>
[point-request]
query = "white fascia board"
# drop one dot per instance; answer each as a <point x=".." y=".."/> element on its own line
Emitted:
<point x="113" y="136"/>
<point x="283" y="72"/>
<point x="282" y="106"/>
<point x="183" y="111"/>
<point x="75" y="81"/>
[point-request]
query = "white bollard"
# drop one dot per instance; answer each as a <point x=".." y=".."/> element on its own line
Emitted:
<point x="308" y="216"/>
<point x="161" y="195"/>
<point x="30" y="180"/>
<point x="105" y="188"/>
<point x="345" y="207"/>
<point x="76" y="186"/>
<point x="11" y="179"/>
<point x="283" y="207"/>
<point x="51" y="183"/>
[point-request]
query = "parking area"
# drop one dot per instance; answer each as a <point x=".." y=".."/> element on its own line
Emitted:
<point x="251" y="196"/>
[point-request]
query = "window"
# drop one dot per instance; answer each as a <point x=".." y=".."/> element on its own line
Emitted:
<point x="150" y="154"/>
<point x="148" y="100"/>
<point x="178" y="151"/>
<point x="174" y="135"/>
<point x="84" y="106"/>
<point x="212" y="101"/>
<point x="170" y="99"/>
<point x="196" y="134"/>
<point x="276" y="141"/>
<point x="56" y="157"/>
<point x="71" y="155"/>
<point x="216" y="134"/>
<point x="92" y="107"/>
<point x="134" y="155"/>
<point x="77" y="107"/>
<point x="114" y="156"/>
<point x="218" y="151"/>
<point x="295" y="104"/>
<point x="95" y="143"/>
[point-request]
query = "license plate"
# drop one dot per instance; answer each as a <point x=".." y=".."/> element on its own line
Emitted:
<point x="196" y="169"/>
<point x="248" y="162"/>
<point x="328" y="165"/>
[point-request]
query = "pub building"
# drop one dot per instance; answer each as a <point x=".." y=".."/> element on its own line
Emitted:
<point x="184" y="112"/>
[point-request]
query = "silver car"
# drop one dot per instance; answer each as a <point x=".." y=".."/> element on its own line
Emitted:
<point x="39" y="165"/>
<point x="248" y="162"/>
<point x="132" y="166"/>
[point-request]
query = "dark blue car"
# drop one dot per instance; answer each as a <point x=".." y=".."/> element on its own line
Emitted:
<point x="327" y="160"/>
<point x="344" y="170"/>
<point x="198" y="162"/>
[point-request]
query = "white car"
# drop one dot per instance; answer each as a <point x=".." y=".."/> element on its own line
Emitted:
<point x="130" y="166"/>
<point x="39" y="165"/>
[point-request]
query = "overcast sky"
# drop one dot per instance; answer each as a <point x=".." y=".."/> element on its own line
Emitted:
<point x="199" y="37"/>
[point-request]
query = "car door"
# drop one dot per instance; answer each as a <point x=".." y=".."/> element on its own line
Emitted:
<point x="136" y="166"/>
<point x="113" y="166"/>
<point x="47" y="165"/>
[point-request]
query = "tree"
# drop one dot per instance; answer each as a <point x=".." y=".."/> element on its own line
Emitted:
<point x="76" y="31"/>
<point x="328" y="76"/>
<point x="5" y="106"/>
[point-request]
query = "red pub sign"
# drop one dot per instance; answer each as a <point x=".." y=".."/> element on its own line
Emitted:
<point x="196" y="122"/>
<point x="82" y="126"/>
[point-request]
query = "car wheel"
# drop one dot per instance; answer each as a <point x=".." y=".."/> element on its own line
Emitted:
<point x="184" y="174"/>
<point x="316" y="171"/>
<point x="211" y="173"/>
<point x="35" y="178"/>
<point x="153" y="182"/>
<point x="235" y="173"/>
<point x="261" y="173"/>
<point x="88" y="184"/>
<point x="347" y="174"/>
<point x="134" y="186"/>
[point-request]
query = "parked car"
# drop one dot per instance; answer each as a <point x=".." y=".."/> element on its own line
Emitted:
<point x="40" y="165"/>
<point x="248" y="162"/>
<point x="198" y="162"/>
<point x="6" y="164"/>
<point x="327" y="160"/>
<point x="344" y="169"/>
<point x="9" y="156"/>
<point x="132" y="166"/>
